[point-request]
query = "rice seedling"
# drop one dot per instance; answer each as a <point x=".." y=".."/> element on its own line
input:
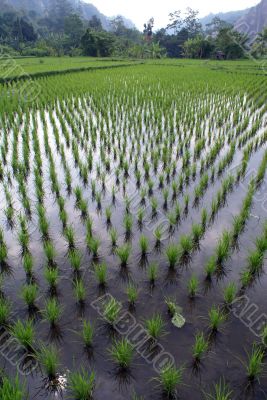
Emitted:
<point x="5" y="310"/>
<point x="170" y="378"/>
<point x="93" y="245"/>
<point x="172" y="254"/>
<point x="82" y="384"/>
<point x="50" y="252"/>
<point x="255" y="363"/>
<point x="29" y="294"/>
<point x="48" y="358"/>
<point x="3" y="254"/>
<point x="152" y="272"/>
<point x="132" y="293"/>
<point x="27" y="262"/>
<point x="172" y="307"/>
<point x="197" y="232"/>
<point x="128" y="224"/>
<point x="200" y="346"/>
<point x="255" y="261"/>
<point x="70" y="236"/>
<point x="229" y="293"/>
<point x="101" y="273"/>
<point x="24" y="333"/>
<point x="192" y="286"/>
<point x="154" y="205"/>
<point x="52" y="311"/>
<point x="223" y="248"/>
<point x="122" y="352"/>
<point x="111" y="311"/>
<point x="216" y="318"/>
<point x="12" y="389"/>
<point x="140" y="216"/>
<point x="75" y="259"/>
<point x="144" y="244"/>
<point x="52" y="277"/>
<point x="113" y="236"/>
<point x="221" y="391"/>
<point x="155" y="326"/>
<point x="123" y="253"/>
<point x="79" y="291"/>
<point x="87" y="333"/>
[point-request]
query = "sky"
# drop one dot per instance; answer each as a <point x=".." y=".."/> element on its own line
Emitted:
<point x="139" y="11"/>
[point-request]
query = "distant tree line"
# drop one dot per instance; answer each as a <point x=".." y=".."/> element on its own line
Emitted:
<point x="63" y="31"/>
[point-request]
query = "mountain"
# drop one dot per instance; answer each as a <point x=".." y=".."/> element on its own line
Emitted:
<point x="231" y="17"/>
<point x="41" y="7"/>
<point x="254" y="21"/>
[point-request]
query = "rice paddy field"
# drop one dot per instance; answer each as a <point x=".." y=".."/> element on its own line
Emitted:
<point x="134" y="233"/>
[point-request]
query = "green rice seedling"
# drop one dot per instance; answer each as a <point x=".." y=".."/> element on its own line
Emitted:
<point x="210" y="267"/>
<point x="122" y="353"/>
<point x="82" y="385"/>
<point x="185" y="246"/>
<point x="132" y="293"/>
<point x="172" y="307"/>
<point x="261" y="244"/>
<point x="113" y="237"/>
<point x="246" y="278"/>
<point x="172" y="254"/>
<point x="140" y="216"/>
<point x="264" y="336"/>
<point x="238" y="225"/>
<point x="143" y="193"/>
<point x="158" y="234"/>
<point x="50" y="252"/>
<point x="89" y="226"/>
<point x="9" y="212"/>
<point x="70" y="236"/>
<point x="79" y="291"/>
<point x="255" y="363"/>
<point x="24" y="333"/>
<point x="177" y="211"/>
<point x="93" y="245"/>
<point x="221" y="392"/>
<point x="44" y="227"/>
<point x="165" y="197"/>
<point x="128" y="223"/>
<point x="75" y="259"/>
<point x="127" y="205"/>
<point x="78" y="194"/>
<point x="197" y="232"/>
<point x="27" y="262"/>
<point x="101" y="273"/>
<point x="154" y="205"/>
<point x="111" y="311"/>
<point x="3" y="253"/>
<point x="123" y="253"/>
<point x="83" y="207"/>
<point x="150" y="185"/>
<point x="52" y="277"/>
<point x="172" y="219"/>
<point x="87" y="333"/>
<point x="48" y="358"/>
<point x="12" y="389"/>
<point x="29" y="294"/>
<point x="229" y="293"/>
<point x="52" y="311"/>
<point x="24" y="239"/>
<point x="216" y="317"/>
<point x="255" y="261"/>
<point x="63" y="216"/>
<point x="170" y="378"/>
<point x="223" y="248"/>
<point x="155" y="326"/>
<point x="192" y="286"/>
<point x="204" y="218"/>
<point x="144" y="244"/>
<point x="5" y="310"/>
<point x="152" y="272"/>
<point x="200" y="346"/>
<point x="108" y="213"/>
<point x="186" y="202"/>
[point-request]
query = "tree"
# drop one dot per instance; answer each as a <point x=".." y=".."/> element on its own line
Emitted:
<point x="95" y="23"/>
<point x="73" y="28"/>
<point x="148" y="30"/>
<point x="176" y="21"/>
<point x="97" y="44"/>
<point x="117" y="26"/>
<point x="198" y="47"/>
<point x="260" y="45"/>
<point x="231" y="42"/>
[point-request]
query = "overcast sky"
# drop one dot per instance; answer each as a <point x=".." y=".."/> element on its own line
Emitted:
<point x="139" y="11"/>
